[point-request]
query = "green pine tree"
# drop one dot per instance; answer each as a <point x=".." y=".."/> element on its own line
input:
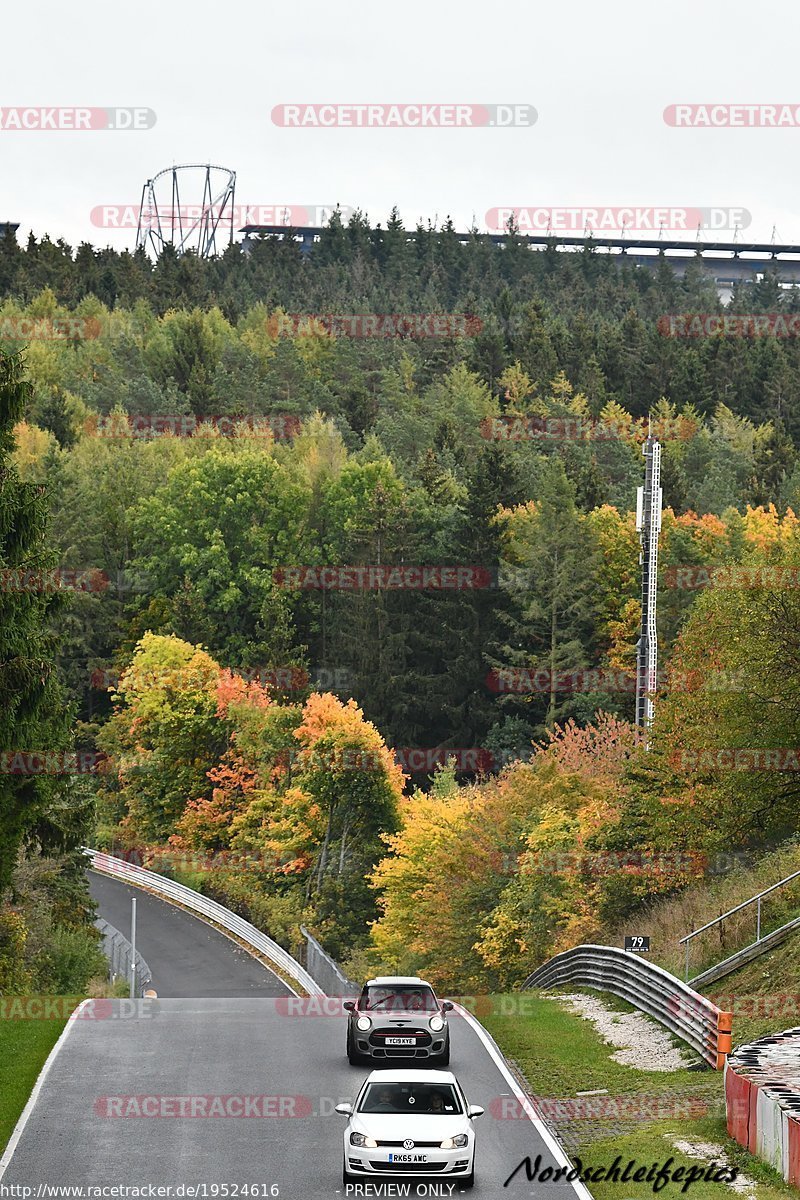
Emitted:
<point x="32" y="714"/>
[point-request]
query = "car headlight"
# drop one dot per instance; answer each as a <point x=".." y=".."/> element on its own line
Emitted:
<point x="436" y="1023"/>
<point x="363" y="1023"/>
<point x="361" y="1139"/>
<point x="454" y="1143"/>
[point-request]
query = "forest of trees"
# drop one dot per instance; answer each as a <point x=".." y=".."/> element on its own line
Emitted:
<point x="178" y="471"/>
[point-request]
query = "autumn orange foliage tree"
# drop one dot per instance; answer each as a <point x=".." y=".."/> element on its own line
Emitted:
<point x="208" y="761"/>
<point x="484" y="882"/>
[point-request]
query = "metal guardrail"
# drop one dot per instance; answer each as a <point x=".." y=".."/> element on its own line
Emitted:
<point x="768" y="942"/>
<point x="648" y="987"/>
<point x="325" y="970"/>
<point x="756" y="899"/>
<point x="117" y="950"/>
<point x="107" y="864"/>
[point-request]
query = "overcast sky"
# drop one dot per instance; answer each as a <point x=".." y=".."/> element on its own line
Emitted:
<point x="599" y="77"/>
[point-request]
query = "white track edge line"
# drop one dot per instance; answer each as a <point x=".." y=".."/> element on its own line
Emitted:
<point x="24" y="1116"/>
<point x="199" y="917"/>
<point x="553" y="1145"/>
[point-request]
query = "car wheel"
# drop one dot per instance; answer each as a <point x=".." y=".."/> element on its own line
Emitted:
<point x="353" y="1057"/>
<point x="469" y="1180"/>
<point x="346" y="1177"/>
<point x="443" y="1060"/>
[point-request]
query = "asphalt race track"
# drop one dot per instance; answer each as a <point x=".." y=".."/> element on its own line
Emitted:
<point x="187" y="957"/>
<point x="253" y="1046"/>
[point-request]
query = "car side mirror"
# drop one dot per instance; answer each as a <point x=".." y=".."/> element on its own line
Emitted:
<point x="349" y="1005"/>
<point x="346" y="1110"/>
<point x="447" y="1006"/>
<point x="474" y="1110"/>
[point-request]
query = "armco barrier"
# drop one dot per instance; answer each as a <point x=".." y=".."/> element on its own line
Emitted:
<point x="325" y="970"/>
<point x="107" y="864"/>
<point x="117" y="950"/>
<point x="762" y="1100"/>
<point x="662" y="996"/>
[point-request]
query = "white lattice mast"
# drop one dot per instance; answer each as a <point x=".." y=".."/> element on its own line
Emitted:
<point x="648" y="524"/>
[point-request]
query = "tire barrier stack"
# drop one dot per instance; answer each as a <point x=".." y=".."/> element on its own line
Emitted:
<point x="762" y="1100"/>
<point x="667" y="999"/>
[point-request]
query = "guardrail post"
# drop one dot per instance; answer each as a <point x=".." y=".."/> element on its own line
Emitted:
<point x="758" y="920"/>
<point x="133" y="947"/>
<point x="724" y="1032"/>
<point x="686" y="974"/>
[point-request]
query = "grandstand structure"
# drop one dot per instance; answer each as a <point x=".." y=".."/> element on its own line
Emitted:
<point x="728" y="263"/>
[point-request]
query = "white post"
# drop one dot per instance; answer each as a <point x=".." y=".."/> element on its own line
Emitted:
<point x="133" y="947"/>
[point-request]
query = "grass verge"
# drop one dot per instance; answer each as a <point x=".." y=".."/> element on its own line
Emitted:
<point x="557" y="1055"/>
<point x="24" y="1046"/>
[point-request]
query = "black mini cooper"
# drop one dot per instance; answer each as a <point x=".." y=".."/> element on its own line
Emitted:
<point x="398" y="1017"/>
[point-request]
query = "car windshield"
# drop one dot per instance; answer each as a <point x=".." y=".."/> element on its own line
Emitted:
<point x="408" y="998"/>
<point x="426" y="1099"/>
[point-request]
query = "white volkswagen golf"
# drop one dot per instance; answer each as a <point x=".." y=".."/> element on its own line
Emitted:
<point x="410" y="1123"/>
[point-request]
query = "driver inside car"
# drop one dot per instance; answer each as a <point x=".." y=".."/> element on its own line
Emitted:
<point x="384" y="1103"/>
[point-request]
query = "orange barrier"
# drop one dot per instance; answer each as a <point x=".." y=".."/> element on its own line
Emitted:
<point x="724" y="1032"/>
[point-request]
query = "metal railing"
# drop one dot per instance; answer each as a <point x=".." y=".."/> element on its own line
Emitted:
<point x="325" y="970"/>
<point x="680" y="1009"/>
<point x="117" y="950"/>
<point x="685" y="941"/>
<point x="231" y="922"/>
